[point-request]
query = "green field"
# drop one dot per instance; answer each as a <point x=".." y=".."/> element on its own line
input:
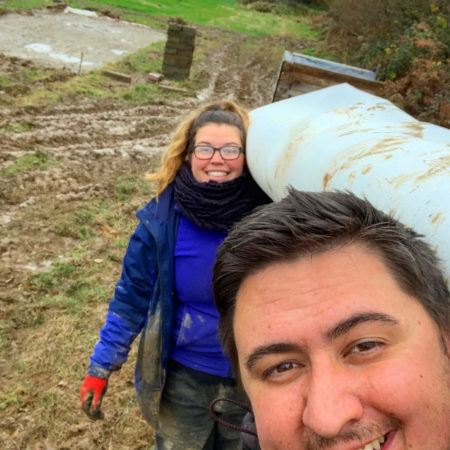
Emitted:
<point x="225" y="14"/>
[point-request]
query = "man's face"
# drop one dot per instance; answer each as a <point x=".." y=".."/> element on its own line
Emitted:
<point x="334" y="355"/>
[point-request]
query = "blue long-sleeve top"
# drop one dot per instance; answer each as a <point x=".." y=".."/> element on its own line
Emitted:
<point x="195" y="340"/>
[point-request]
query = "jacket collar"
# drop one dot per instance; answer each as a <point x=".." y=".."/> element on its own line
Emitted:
<point x="159" y="210"/>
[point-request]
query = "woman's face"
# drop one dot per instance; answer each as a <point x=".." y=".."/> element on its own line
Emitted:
<point x="216" y="168"/>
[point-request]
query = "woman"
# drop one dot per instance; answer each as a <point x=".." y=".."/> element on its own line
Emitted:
<point x="165" y="287"/>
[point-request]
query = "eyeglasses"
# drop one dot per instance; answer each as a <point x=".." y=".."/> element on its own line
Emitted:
<point x="227" y="152"/>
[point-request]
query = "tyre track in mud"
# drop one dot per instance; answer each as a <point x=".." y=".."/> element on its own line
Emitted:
<point x="90" y="147"/>
<point x="91" y="139"/>
<point x="239" y="76"/>
<point x="87" y="145"/>
<point x="92" y="143"/>
<point x="110" y="125"/>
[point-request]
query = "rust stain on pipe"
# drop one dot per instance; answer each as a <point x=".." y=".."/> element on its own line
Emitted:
<point x="414" y="129"/>
<point x="286" y="158"/>
<point x="326" y="179"/>
<point x="349" y="133"/>
<point x="439" y="166"/>
<point x="378" y="107"/>
<point x="402" y="179"/>
<point x="438" y="218"/>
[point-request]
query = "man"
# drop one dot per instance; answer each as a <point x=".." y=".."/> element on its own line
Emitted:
<point x="336" y="317"/>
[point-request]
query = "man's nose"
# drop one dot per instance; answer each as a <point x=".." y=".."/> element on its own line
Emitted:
<point x="331" y="401"/>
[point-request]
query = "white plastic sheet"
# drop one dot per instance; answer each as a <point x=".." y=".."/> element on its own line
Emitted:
<point x="342" y="138"/>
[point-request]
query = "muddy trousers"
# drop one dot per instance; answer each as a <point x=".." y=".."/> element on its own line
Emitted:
<point x="184" y="419"/>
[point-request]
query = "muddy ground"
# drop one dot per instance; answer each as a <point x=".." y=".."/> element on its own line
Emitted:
<point x="73" y="207"/>
<point x="65" y="218"/>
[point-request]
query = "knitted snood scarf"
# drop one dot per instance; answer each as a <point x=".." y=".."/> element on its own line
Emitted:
<point x="216" y="206"/>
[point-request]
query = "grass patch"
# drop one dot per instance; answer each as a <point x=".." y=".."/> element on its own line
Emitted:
<point x="40" y="96"/>
<point x="266" y="24"/>
<point x="6" y="81"/>
<point x="30" y="82"/>
<point x="32" y="161"/>
<point x="35" y="75"/>
<point x="71" y="287"/>
<point x="255" y="46"/>
<point x="13" y="397"/>
<point x="196" y="11"/>
<point x="122" y="243"/>
<point x="26" y="4"/>
<point x="97" y="86"/>
<point x="19" y="127"/>
<point x="319" y="52"/>
<point x="128" y="186"/>
<point x="148" y="59"/>
<point x="77" y="224"/>
<point x="149" y="21"/>
<point x="75" y="231"/>
<point x="48" y="280"/>
<point x="139" y="93"/>
<point x="74" y="285"/>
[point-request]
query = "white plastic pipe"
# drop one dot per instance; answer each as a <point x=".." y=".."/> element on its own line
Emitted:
<point x="342" y="138"/>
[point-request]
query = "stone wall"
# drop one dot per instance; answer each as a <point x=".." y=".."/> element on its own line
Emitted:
<point x="179" y="51"/>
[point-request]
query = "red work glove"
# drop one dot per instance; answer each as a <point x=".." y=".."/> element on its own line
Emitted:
<point x="91" y="393"/>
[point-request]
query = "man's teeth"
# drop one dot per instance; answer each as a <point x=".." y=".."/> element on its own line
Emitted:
<point x="374" y="445"/>
<point x="217" y="174"/>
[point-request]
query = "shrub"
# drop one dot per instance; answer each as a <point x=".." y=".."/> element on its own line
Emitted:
<point x="261" y="6"/>
<point x="390" y="34"/>
<point x="283" y="4"/>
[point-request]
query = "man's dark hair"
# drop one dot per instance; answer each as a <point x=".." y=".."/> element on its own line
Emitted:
<point x="307" y="223"/>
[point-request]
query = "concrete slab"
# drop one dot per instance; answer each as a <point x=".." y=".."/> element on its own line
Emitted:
<point x="64" y="39"/>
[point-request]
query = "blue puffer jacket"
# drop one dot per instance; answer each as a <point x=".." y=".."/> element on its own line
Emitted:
<point x="144" y="299"/>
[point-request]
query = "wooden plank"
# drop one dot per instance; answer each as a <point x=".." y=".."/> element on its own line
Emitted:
<point x="300" y="73"/>
<point x="117" y="76"/>
<point x="173" y="89"/>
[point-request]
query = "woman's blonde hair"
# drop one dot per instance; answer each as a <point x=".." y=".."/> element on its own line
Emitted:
<point x="178" y="151"/>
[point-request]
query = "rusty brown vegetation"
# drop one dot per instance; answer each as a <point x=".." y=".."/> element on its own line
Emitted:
<point x="406" y="41"/>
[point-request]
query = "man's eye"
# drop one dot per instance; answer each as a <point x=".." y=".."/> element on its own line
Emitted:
<point x="285" y="367"/>
<point x="280" y="369"/>
<point x="364" y="347"/>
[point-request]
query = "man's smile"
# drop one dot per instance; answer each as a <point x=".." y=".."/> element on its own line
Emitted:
<point x="376" y="444"/>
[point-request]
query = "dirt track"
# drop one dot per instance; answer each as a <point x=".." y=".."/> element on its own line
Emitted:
<point x="92" y="145"/>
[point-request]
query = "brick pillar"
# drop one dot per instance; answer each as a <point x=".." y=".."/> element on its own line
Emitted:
<point x="178" y="52"/>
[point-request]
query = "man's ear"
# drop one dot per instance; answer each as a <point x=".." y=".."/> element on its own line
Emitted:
<point x="446" y="343"/>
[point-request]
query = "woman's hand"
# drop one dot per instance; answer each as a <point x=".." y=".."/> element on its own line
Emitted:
<point x="91" y="394"/>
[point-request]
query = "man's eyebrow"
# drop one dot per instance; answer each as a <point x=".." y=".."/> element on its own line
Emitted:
<point x="264" y="350"/>
<point x="347" y="324"/>
<point x="337" y="330"/>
